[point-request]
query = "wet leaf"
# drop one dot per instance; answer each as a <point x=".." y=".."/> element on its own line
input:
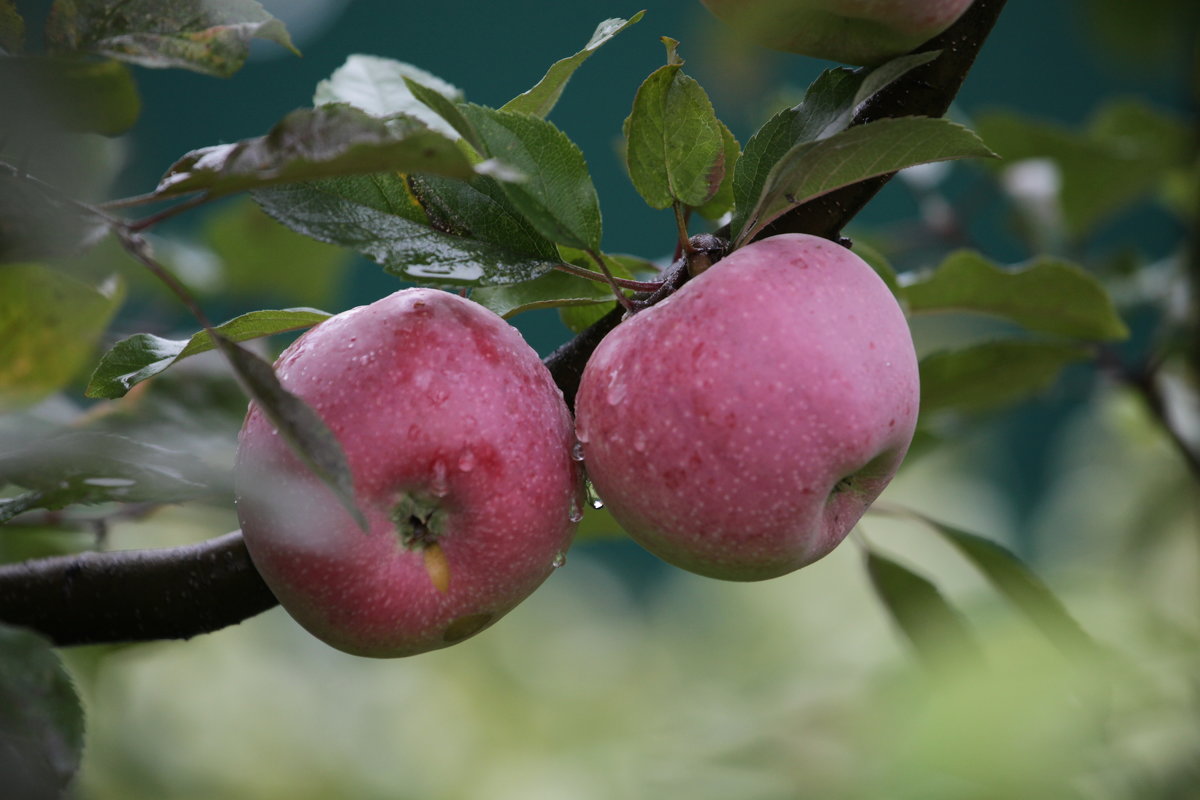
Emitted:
<point x="198" y="35"/>
<point x="410" y="250"/>
<point x="328" y="141"/>
<point x="41" y="718"/>
<point x="143" y="355"/>
<point x="992" y="374"/>
<point x="540" y="100"/>
<point x="1048" y="295"/>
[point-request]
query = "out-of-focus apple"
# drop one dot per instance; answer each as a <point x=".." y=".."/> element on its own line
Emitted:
<point x="459" y="444"/>
<point x="740" y="428"/>
<point x="850" y="31"/>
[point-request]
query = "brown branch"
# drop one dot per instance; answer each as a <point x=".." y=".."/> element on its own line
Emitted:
<point x="176" y="593"/>
<point x="135" y="595"/>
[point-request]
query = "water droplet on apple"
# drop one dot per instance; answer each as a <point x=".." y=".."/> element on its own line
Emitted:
<point x="616" y="389"/>
<point x="466" y="462"/>
<point x="560" y="559"/>
<point x="437" y="479"/>
<point x="577" y="451"/>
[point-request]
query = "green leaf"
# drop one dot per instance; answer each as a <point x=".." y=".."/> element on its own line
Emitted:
<point x="260" y="257"/>
<point x="49" y="325"/>
<point x="1048" y="295"/>
<point x="540" y="100"/>
<point x="554" y="289"/>
<point x="407" y="249"/>
<point x="557" y="289"/>
<point x="827" y="108"/>
<point x="1020" y="586"/>
<point x="381" y="87"/>
<point x="327" y="141"/>
<point x="480" y="210"/>
<point x="1125" y="154"/>
<point x="722" y="201"/>
<point x="448" y="113"/>
<point x="143" y="355"/>
<point x="12" y="29"/>
<point x="556" y="196"/>
<point x="297" y="423"/>
<point x="41" y="718"/>
<point x="931" y="625"/>
<point x="198" y="35"/>
<point x="76" y="94"/>
<point x="992" y="374"/>
<point x="675" y="145"/>
<point x="811" y="169"/>
<point x="92" y="467"/>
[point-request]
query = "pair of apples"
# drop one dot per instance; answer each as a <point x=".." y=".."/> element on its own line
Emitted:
<point x="738" y="429"/>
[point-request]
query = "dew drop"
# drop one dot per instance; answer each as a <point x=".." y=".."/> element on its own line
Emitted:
<point x="437" y="479"/>
<point x="597" y="503"/>
<point x="577" y="451"/>
<point x="560" y="559"/>
<point x="575" y="514"/>
<point x="466" y="462"/>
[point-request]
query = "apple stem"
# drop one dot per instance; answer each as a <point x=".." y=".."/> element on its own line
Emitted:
<point x="599" y="277"/>
<point x="625" y="302"/>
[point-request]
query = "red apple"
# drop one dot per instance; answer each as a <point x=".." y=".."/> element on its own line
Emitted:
<point x="850" y="31"/>
<point x="740" y="428"/>
<point x="459" y="444"/>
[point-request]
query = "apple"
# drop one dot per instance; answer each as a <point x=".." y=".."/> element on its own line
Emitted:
<point x="864" y="32"/>
<point x="740" y="428"/>
<point x="459" y="445"/>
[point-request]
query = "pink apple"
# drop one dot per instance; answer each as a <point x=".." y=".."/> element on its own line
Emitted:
<point x="460" y="448"/>
<point x="850" y="31"/>
<point x="740" y="428"/>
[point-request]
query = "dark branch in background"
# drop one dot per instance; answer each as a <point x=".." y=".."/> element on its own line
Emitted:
<point x="176" y="593"/>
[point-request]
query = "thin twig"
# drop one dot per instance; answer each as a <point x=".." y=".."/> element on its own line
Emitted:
<point x="599" y="277"/>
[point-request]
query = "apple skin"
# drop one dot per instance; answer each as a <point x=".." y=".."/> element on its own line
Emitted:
<point x="740" y="428"/>
<point x="446" y="416"/>
<point x="865" y="32"/>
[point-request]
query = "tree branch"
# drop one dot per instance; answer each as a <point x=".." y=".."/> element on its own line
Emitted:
<point x="176" y="593"/>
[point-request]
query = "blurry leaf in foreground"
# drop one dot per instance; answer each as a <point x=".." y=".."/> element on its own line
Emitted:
<point x="41" y="719"/>
<point x="308" y="143"/>
<point x="935" y="629"/>
<point x="76" y="94"/>
<point x="199" y="35"/>
<point x="12" y="29"/>
<point x="143" y="355"/>
<point x="49" y="325"/>
<point x="300" y="426"/>
<point x="89" y="467"/>
<point x="992" y="374"/>
<point x="1049" y="296"/>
